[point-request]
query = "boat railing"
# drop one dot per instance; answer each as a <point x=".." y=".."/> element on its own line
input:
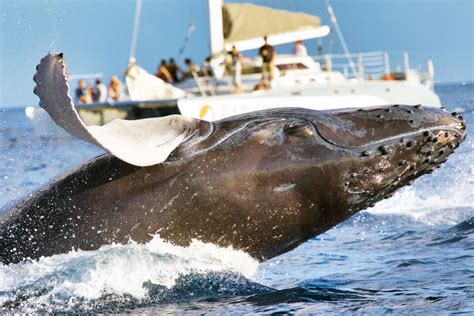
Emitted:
<point x="373" y="65"/>
<point x="366" y="65"/>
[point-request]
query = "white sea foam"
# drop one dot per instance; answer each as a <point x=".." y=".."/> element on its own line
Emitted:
<point x="450" y="209"/>
<point x="120" y="269"/>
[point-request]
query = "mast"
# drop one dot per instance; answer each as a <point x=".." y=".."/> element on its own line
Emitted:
<point x="136" y="25"/>
<point x="216" y="31"/>
<point x="332" y="16"/>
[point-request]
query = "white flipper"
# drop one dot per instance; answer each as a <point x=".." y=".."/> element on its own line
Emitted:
<point x="142" y="142"/>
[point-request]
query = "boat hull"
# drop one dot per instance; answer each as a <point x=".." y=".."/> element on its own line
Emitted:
<point x="318" y="97"/>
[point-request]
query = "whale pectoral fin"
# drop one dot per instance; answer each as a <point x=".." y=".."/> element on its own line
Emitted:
<point x="142" y="142"/>
<point x="53" y="90"/>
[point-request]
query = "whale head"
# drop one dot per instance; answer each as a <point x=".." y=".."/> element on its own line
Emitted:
<point x="321" y="167"/>
<point x="369" y="152"/>
<point x="388" y="147"/>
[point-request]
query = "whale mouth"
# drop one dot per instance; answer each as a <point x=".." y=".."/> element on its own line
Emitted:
<point x="376" y="126"/>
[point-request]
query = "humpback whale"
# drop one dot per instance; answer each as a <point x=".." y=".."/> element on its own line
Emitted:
<point x="263" y="182"/>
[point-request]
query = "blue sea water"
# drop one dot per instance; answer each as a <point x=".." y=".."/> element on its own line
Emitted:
<point x="411" y="254"/>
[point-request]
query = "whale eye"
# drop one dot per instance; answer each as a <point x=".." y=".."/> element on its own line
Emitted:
<point x="299" y="129"/>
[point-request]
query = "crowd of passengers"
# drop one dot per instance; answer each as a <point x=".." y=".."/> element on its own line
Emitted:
<point x="170" y="72"/>
<point x="99" y="92"/>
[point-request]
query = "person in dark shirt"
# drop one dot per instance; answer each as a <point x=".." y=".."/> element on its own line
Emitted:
<point x="163" y="73"/>
<point x="99" y="92"/>
<point x="267" y="52"/>
<point x="173" y="70"/>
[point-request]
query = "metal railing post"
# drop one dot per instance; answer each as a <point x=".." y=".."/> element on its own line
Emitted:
<point x="328" y="62"/>
<point x="406" y="62"/>
<point x="360" y="61"/>
<point x="386" y="63"/>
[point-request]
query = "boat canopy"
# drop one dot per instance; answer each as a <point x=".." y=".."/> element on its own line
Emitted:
<point x="245" y="24"/>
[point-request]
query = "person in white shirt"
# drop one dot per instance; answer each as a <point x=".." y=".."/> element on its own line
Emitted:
<point x="99" y="92"/>
<point x="300" y="49"/>
<point x="236" y="69"/>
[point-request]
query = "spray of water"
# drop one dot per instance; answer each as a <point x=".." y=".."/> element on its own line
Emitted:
<point x="119" y="270"/>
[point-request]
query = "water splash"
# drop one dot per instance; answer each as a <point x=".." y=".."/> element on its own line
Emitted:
<point x="117" y="270"/>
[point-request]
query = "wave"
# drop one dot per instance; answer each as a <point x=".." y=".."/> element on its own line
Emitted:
<point x="118" y="274"/>
<point x="460" y="232"/>
<point x="467" y="226"/>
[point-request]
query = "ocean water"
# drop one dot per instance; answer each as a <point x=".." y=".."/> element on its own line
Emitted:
<point x="410" y="254"/>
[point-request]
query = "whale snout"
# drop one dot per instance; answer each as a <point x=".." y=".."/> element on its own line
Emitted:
<point x="367" y="127"/>
<point x="390" y="146"/>
<point x="429" y="147"/>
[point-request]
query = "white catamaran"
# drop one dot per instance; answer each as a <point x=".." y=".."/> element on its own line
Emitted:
<point x="320" y="82"/>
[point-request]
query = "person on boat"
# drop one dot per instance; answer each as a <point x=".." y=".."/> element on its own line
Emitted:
<point x="163" y="73"/>
<point x="190" y="69"/>
<point x="82" y="93"/>
<point x="99" y="92"/>
<point x="115" y="89"/>
<point x="267" y="53"/>
<point x="236" y="69"/>
<point x="90" y="88"/>
<point x="207" y="67"/>
<point x="173" y="70"/>
<point x="300" y="49"/>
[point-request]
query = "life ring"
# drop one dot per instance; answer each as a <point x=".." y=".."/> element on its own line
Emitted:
<point x="206" y="113"/>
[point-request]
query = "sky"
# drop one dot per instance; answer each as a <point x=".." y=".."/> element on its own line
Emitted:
<point x="95" y="36"/>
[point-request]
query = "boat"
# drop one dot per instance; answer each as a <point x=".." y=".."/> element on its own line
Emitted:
<point x="321" y="82"/>
<point x="318" y="82"/>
